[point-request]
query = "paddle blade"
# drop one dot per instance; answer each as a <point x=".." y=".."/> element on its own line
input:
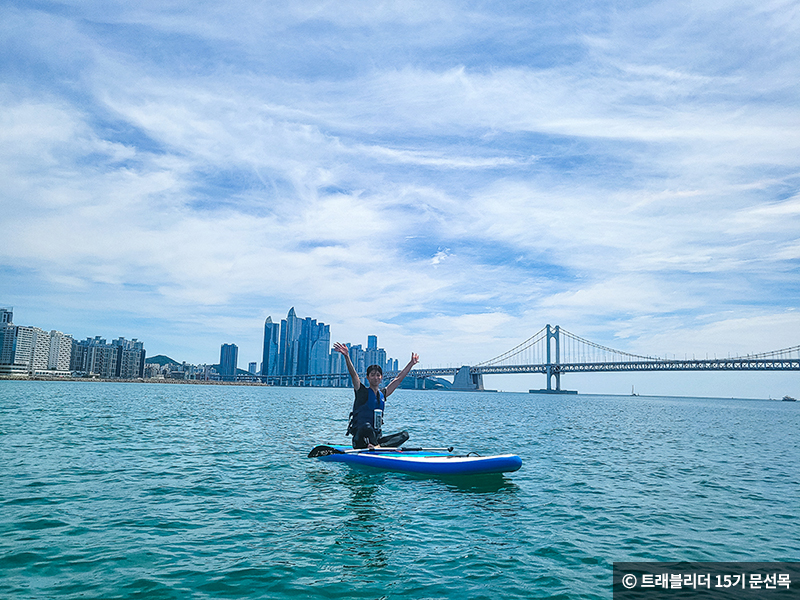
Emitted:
<point x="323" y="451"/>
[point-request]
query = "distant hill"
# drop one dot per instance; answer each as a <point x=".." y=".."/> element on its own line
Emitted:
<point x="160" y="360"/>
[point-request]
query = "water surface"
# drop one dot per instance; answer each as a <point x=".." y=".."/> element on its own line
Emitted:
<point x="112" y="490"/>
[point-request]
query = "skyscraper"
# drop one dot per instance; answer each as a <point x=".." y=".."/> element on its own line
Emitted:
<point x="291" y="328"/>
<point x="296" y="347"/>
<point x="373" y="354"/>
<point x="304" y="346"/>
<point x="337" y="362"/>
<point x="358" y="358"/>
<point x="269" y="360"/>
<point x="228" y="358"/>
<point x="315" y="342"/>
<point x="319" y="348"/>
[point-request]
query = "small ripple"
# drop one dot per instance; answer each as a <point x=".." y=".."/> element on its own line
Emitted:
<point x="21" y="559"/>
<point x="39" y="524"/>
<point x="32" y="501"/>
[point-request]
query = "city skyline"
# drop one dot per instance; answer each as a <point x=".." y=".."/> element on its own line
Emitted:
<point x="48" y="354"/>
<point x="29" y="350"/>
<point x="449" y="177"/>
<point x="302" y="346"/>
<point x="302" y="351"/>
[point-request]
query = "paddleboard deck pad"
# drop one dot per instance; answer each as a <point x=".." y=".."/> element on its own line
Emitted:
<point x="427" y="462"/>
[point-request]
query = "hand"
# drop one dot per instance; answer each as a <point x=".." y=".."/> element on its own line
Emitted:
<point x="341" y="348"/>
<point x="414" y="359"/>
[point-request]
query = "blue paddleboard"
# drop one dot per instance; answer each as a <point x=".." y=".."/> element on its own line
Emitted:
<point x="421" y="461"/>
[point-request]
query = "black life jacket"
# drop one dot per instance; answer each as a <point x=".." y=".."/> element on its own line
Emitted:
<point x="365" y="413"/>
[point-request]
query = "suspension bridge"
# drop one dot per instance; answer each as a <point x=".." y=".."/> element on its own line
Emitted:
<point x="553" y="351"/>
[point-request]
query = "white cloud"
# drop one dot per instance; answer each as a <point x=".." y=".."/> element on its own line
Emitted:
<point x="641" y="168"/>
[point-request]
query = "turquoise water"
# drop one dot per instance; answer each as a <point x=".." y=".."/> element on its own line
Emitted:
<point x="181" y="491"/>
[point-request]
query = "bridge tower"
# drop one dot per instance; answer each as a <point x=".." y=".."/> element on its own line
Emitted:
<point x="552" y="367"/>
<point x="466" y="381"/>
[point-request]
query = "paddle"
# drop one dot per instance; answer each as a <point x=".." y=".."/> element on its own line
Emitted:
<point x="328" y="450"/>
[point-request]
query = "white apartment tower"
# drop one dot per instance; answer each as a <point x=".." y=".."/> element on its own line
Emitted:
<point x="40" y="350"/>
<point x="60" y="351"/>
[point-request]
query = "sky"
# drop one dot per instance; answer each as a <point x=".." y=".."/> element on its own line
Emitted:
<point x="448" y="176"/>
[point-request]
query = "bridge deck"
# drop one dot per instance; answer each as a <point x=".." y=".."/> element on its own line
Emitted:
<point x="739" y="364"/>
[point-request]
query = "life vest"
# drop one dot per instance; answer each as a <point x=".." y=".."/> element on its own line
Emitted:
<point x="364" y="414"/>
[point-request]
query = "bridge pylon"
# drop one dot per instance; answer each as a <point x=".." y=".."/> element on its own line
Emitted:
<point x="553" y="369"/>
<point x="553" y="364"/>
<point x="466" y="381"/>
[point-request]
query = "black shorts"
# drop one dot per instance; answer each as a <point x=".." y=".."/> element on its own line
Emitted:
<point x="366" y="435"/>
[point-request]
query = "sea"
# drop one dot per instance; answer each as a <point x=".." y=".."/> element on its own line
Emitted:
<point x="137" y="490"/>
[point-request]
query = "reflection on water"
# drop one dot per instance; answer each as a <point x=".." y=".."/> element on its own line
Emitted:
<point x="376" y="507"/>
<point x="481" y="484"/>
<point x="365" y="531"/>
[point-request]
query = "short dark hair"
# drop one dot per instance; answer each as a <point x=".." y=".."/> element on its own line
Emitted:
<point x="372" y="368"/>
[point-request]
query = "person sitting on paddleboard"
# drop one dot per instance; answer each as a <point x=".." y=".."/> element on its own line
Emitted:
<point x="365" y="420"/>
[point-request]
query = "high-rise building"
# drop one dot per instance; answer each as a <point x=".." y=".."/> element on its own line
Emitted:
<point x="60" y="351"/>
<point x="373" y="354"/>
<point x="304" y="346"/>
<point x="25" y="343"/>
<point x="129" y="358"/>
<point x="40" y="350"/>
<point x="358" y="358"/>
<point x="269" y="360"/>
<point x="23" y="350"/>
<point x="317" y="344"/>
<point x="15" y="346"/>
<point x="228" y="359"/>
<point x="252" y="368"/>
<point x="307" y="330"/>
<point x="377" y="356"/>
<point x="77" y="361"/>
<point x="337" y="363"/>
<point x="94" y="357"/>
<point x="7" y="343"/>
<point x="291" y="329"/>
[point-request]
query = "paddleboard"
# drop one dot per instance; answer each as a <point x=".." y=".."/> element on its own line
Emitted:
<point x="422" y="461"/>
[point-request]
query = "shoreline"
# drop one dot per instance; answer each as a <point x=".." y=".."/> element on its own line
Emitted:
<point x="585" y="395"/>
<point x="142" y="380"/>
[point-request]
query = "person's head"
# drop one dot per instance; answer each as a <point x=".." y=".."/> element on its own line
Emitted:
<point x="374" y="371"/>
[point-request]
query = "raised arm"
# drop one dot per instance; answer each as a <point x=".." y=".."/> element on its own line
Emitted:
<point x="402" y="374"/>
<point x="342" y="349"/>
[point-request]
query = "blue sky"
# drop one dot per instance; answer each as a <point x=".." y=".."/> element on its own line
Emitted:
<point x="448" y="176"/>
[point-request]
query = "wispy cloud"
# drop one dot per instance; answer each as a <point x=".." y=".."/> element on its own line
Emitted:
<point x="403" y="169"/>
